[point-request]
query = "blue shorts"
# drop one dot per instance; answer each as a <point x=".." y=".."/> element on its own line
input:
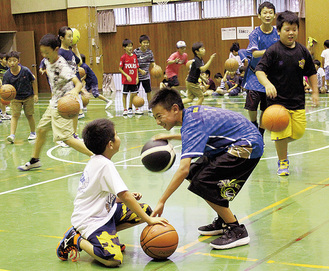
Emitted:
<point x="94" y="91"/>
<point x="105" y="239"/>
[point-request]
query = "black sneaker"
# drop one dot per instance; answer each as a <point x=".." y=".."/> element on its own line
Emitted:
<point x="215" y="228"/>
<point x="68" y="243"/>
<point x="233" y="236"/>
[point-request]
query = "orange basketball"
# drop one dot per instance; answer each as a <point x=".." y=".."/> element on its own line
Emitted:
<point x="82" y="72"/>
<point x="4" y="102"/>
<point x="231" y="64"/>
<point x="85" y="99"/>
<point x="158" y="241"/>
<point x="275" y="118"/>
<point x="156" y="71"/>
<point x="68" y="107"/>
<point x="138" y="101"/>
<point x="8" y="92"/>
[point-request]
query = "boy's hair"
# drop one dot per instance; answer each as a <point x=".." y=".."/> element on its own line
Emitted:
<point x="207" y="72"/>
<point x="242" y="69"/>
<point x="286" y="17"/>
<point x="49" y="40"/>
<point x="167" y="97"/>
<point x="143" y="37"/>
<point x="83" y="58"/>
<point x="235" y="47"/>
<point x="126" y="42"/>
<point x="196" y="46"/>
<point x="218" y="75"/>
<point x="14" y="54"/>
<point x="326" y="43"/>
<point x="317" y="62"/>
<point x="62" y="32"/>
<point x="97" y="134"/>
<point x="265" y="4"/>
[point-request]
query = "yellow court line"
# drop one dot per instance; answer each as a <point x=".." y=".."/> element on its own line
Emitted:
<point x="227" y="257"/>
<point x="301" y="265"/>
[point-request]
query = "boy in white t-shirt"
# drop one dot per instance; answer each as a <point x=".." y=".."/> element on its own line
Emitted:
<point x="320" y="74"/>
<point x="103" y="205"/>
<point x="325" y="60"/>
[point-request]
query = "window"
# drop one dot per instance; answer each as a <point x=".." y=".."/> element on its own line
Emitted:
<point x="187" y="11"/>
<point x="163" y="13"/>
<point x="214" y="9"/>
<point x="139" y="15"/>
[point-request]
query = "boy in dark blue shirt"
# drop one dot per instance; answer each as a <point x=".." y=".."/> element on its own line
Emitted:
<point x="197" y="66"/>
<point x="92" y="82"/>
<point x="228" y="146"/>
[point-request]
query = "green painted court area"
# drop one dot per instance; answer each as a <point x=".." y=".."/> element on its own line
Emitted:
<point x="287" y="217"/>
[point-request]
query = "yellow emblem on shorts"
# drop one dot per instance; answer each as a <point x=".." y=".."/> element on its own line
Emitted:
<point x="301" y="63"/>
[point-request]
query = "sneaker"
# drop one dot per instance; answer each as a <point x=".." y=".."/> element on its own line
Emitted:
<point x="62" y="144"/>
<point x="69" y="242"/>
<point x="5" y="117"/>
<point x="81" y="116"/>
<point x="215" y="228"/>
<point x="130" y="111"/>
<point x="150" y="113"/>
<point x="234" y="236"/>
<point x="108" y="104"/>
<point x="183" y="93"/>
<point x="29" y="166"/>
<point x="283" y="167"/>
<point x="138" y="111"/>
<point x="11" y="138"/>
<point x="32" y="136"/>
<point x="125" y="112"/>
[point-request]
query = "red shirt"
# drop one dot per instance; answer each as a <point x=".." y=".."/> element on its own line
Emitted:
<point x="129" y="65"/>
<point x="173" y="69"/>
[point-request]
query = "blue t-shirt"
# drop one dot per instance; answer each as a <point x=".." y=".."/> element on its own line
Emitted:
<point x="258" y="41"/>
<point x="91" y="79"/>
<point x="210" y="131"/>
<point x="22" y="82"/>
<point x="71" y="59"/>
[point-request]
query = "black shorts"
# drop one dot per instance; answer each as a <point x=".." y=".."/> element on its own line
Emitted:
<point x="129" y="88"/>
<point x="173" y="81"/>
<point x="219" y="179"/>
<point x="253" y="99"/>
<point x="146" y="85"/>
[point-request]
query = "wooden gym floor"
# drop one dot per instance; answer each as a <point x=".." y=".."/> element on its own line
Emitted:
<point x="287" y="217"/>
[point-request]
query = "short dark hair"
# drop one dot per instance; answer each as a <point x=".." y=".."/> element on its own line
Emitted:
<point x="218" y="75"/>
<point x="286" y="17"/>
<point x="62" y="32"/>
<point x="235" y="47"/>
<point x="83" y="58"/>
<point x="14" y="54"/>
<point x="317" y="62"/>
<point x="126" y="42"/>
<point x="207" y="72"/>
<point x="326" y="43"/>
<point x="167" y="97"/>
<point x="242" y="69"/>
<point x="143" y="37"/>
<point x="97" y="134"/>
<point x="196" y="46"/>
<point x="49" y="40"/>
<point x="265" y="4"/>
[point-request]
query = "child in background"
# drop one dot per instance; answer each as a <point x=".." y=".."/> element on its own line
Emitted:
<point x="197" y="66"/>
<point x="62" y="81"/>
<point x="220" y="90"/>
<point x="164" y="83"/>
<point x="129" y="70"/>
<point x="207" y="84"/>
<point x="325" y="60"/>
<point x="103" y="205"/>
<point x="3" y="69"/>
<point x="232" y="84"/>
<point x="320" y="74"/>
<point x="26" y="94"/>
<point x="281" y="71"/>
<point x="91" y="82"/>
<point x="234" y="53"/>
<point x="174" y="62"/>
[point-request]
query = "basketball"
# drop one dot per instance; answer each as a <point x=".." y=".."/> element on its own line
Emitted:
<point x="159" y="242"/>
<point x="275" y="118"/>
<point x="158" y="155"/>
<point x="231" y="64"/>
<point x="85" y="99"/>
<point x="4" y="102"/>
<point x="76" y="35"/>
<point x="68" y="107"/>
<point x="156" y="71"/>
<point x="8" y="92"/>
<point x="138" y="101"/>
<point x="82" y="72"/>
